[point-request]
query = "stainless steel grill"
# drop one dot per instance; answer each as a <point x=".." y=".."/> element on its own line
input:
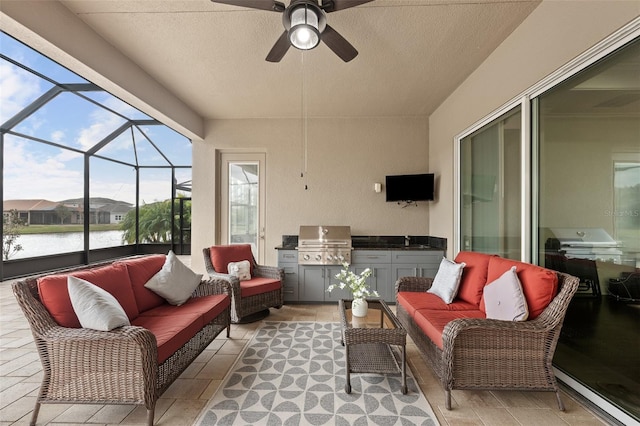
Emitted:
<point x="587" y="243"/>
<point x="324" y="245"/>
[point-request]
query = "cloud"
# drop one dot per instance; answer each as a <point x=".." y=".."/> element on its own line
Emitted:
<point x="57" y="136"/>
<point x="32" y="174"/>
<point x="18" y="89"/>
<point x="103" y="124"/>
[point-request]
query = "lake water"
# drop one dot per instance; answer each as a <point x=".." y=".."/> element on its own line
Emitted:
<point x="45" y="244"/>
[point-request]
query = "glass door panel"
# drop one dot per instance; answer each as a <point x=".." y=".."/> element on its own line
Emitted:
<point x="490" y="188"/>
<point x="589" y="221"/>
<point x="242" y="204"/>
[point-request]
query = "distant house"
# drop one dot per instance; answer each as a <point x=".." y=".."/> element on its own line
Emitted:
<point x="117" y="211"/>
<point x="68" y="212"/>
<point x="33" y="212"/>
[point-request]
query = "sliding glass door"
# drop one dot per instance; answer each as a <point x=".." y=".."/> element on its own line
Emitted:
<point x="583" y="187"/>
<point x="589" y="220"/>
<point x="490" y="188"/>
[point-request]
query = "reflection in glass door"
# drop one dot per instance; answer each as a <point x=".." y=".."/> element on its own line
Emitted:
<point x="589" y="222"/>
<point x="242" y="211"/>
<point x="490" y="188"/>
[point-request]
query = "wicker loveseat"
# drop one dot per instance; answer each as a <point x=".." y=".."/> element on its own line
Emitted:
<point x="259" y="293"/>
<point x="132" y="364"/>
<point x="468" y="351"/>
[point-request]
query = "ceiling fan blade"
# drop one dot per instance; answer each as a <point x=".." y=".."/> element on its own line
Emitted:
<point x="338" y="44"/>
<point x="271" y="5"/>
<point x="333" y="5"/>
<point x="279" y="48"/>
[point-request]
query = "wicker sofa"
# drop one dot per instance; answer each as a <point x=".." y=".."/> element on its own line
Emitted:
<point x="248" y="297"/>
<point x="468" y="351"/>
<point x="128" y="365"/>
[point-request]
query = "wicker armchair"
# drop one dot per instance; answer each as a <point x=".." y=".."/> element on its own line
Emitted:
<point x="244" y="306"/>
<point x="486" y="354"/>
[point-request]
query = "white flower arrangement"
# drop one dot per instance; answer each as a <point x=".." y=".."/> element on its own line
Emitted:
<point x="357" y="283"/>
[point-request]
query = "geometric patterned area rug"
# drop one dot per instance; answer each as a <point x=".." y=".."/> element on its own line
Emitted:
<point x="293" y="373"/>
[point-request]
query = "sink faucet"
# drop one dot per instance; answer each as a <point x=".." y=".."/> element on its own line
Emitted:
<point x="407" y="241"/>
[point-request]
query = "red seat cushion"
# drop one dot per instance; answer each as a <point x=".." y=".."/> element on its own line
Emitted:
<point x="174" y="326"/>
<point x="140" y="271"/>
<point x="208" y="307"/>
<point x="172" y="331"/>
<point x="113" y="278"/>
<point x="258" y="285"/>
<point x="474" y="275"/>
<point x="413" y="301"/>
<point x="539" y="285"/>
<point x="221" y="256"/>
<point x="432" y="322"/>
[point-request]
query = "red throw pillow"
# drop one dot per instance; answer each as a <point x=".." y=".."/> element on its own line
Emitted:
<point x="221" y="256"/>
<point x="114" y="278"/>
<point x="474" y="275"/>
<point x="539" y="285"/>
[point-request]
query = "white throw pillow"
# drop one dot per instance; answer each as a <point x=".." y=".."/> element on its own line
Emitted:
<point x="504" y="299"/>
<point x="447" y="280"/>
<point x="95" y="307"/>
<point x="240" y="269"/>
<point x="175" y="282"/>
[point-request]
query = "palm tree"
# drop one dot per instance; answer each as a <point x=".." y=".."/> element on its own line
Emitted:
<point x="155" y="223"/>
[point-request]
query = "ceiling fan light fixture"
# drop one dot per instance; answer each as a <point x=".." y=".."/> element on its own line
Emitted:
<point x="304" y="33"/>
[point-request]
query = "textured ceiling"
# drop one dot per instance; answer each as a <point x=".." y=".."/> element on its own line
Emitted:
<point x="412" y="54"/>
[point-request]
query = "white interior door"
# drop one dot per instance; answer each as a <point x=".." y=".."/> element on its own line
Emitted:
<point x="242" y="200"/>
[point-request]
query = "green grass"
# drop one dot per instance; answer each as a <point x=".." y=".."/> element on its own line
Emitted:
<point x="49" y="229"/>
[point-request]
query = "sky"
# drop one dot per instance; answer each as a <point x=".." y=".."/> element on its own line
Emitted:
<point x="34" y="170"/>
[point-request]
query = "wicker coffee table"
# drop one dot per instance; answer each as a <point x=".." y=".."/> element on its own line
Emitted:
<point x="373" y="346"/>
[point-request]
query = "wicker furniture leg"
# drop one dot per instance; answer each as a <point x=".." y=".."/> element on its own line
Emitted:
<point x="34" y="416"/>
<point x="560" y="404"/>
<point x="347" y="386"/>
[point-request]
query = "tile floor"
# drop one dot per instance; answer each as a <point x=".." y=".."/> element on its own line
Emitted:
<point x="20" y="377"/>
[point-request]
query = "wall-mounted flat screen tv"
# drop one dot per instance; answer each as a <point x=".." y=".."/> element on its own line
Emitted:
<point x="419" y="187"/>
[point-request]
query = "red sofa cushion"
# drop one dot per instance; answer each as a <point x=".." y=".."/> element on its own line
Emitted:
<point x="474" y="275"/>
<point x="221" y="256"/>
<point x="208" y="307"/>
<point x="174" y="326"/>
<point x="413" y="301"/>
<point x="258" y="285"/>
<point x="171" y="332"/>
<point x="113" y="278"/>
<point x="433" y="321"/>
<point x="140" y="271"/>
<point x="539" y="285"/>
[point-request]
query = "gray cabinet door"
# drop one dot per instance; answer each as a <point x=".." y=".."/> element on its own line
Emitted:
<point x="330" y="278"/>
<point x="290" y="284"/>
<point x="379" y="280"/>
<point x="288" y="260"/>
<point x="379" y="261"/>
<point x="311" y="287"/>
<point x="410" y="263"/>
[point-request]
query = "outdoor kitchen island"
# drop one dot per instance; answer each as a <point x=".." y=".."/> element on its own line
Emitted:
<point x="388" y="257"/>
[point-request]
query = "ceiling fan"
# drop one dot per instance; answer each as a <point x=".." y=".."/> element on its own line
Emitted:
<point x="305" y="25"/>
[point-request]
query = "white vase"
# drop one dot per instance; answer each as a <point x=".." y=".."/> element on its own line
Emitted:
<point x="359" y="308"/>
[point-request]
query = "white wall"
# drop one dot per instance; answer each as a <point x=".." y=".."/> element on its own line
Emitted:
<point x="554" y="33"/>
<point x="345" y="157"/>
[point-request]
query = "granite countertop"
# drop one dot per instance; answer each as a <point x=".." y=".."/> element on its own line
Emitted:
<point x="370" y="242"/>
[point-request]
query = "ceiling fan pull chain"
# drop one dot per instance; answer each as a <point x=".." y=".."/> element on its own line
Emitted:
<point x="303" y="109"/>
